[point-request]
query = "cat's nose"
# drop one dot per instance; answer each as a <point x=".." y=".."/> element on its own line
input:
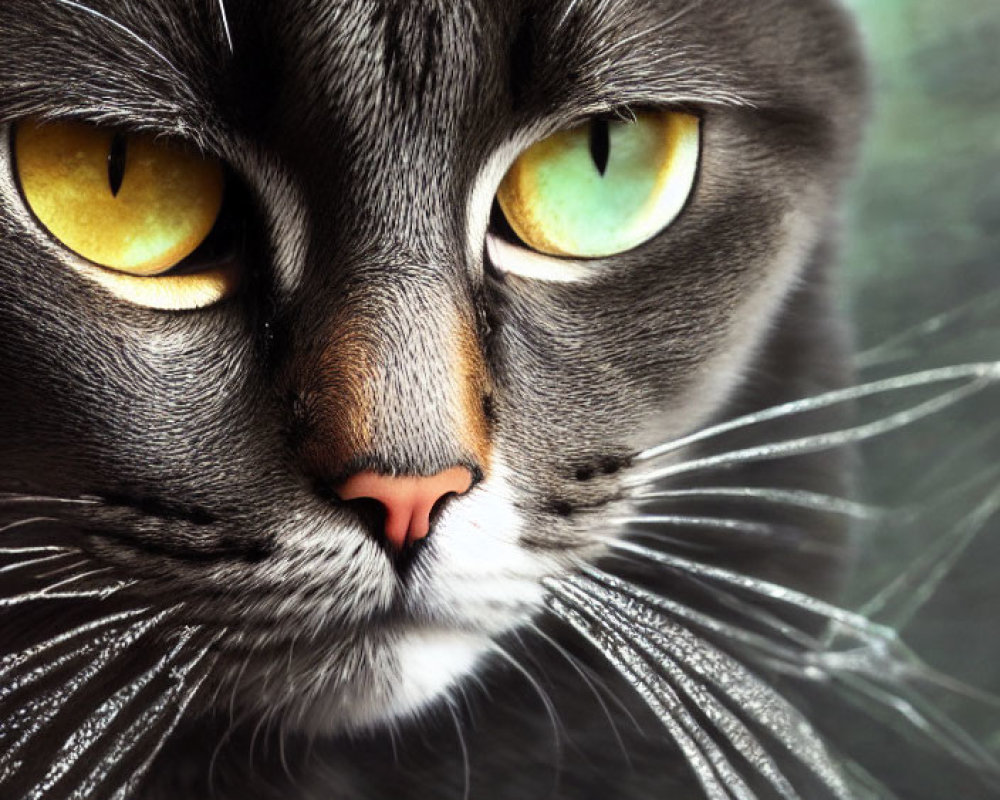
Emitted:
<point x="408" y="501"/>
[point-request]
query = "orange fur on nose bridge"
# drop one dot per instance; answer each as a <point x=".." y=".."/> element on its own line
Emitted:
<point x="472" y="384"/>
<point x="341" y="396"/>
<point x="340" y="385"/>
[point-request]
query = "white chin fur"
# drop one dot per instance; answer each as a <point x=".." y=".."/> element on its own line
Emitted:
<point x="429" y="664"/>
<point x="413" y="673"/>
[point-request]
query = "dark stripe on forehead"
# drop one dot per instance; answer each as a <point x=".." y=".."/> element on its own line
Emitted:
<point x="412" y="39"/>
<point x="427" y="48"/>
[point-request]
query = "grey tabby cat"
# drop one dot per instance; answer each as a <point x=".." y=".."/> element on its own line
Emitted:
<point x="380" y="488"/>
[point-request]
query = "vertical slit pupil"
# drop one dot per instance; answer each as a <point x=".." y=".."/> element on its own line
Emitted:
<point x="116" y="162"/>
<point x="600" y="144"/>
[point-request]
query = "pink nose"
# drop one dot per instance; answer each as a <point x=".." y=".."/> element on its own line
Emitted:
<point x="408" y="501"/>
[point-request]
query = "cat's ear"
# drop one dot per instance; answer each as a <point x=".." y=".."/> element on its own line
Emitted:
<point x="134" y="210"/>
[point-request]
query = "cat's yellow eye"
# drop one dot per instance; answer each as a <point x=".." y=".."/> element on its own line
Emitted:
<point x="603" y="187"/>
<point x="133" y="205"/>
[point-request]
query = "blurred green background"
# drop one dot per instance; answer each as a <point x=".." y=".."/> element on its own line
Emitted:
<point x="924" y="227"/>
<point x="922" y="239"/>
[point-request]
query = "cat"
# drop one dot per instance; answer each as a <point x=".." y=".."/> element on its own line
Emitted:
<point x="331" y="503"/>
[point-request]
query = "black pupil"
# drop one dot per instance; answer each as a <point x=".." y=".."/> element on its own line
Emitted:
<point x="116" y="162"/>
<point x="600" y="144"/>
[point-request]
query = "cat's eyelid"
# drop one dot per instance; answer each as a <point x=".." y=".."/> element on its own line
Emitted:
<point x="129" y="126"/>
<point x="512" y="259"/>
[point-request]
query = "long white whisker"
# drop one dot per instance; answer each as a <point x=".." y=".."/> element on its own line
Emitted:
<point x="550" y="709"/>
<point x="225" y="26"/>
<point x="894" y="347"/>
<point x="74" y="578"/>
<point x="34" y="597"/>
<point x="23" y="551"/>
<point x="175" y="699"/>
<point x="466" y="767"/>
<point x="110" y="645"/>
<point x="982" y="374"/>
<point x="734" y="525"/>
<point x="819" y="442"/>
<point x="91" y="730"/>
<point x="725" y="721"/>
<point x="812" y="501"/>
<point x="14" y="661"/>
<point x="925" y="718"/>
<point x="10" y="498"/>
<point x="662" y="703"/>
<point x="127" y="31"/>
<point x="754" y="697"/>
<point x="595" y="686"/>
<point x="915" y="586"/>
<point x="33" y="562"/>
<point x="23" y="523"/>
<point x="761" y="588"/>
<point x="707" y="622"/>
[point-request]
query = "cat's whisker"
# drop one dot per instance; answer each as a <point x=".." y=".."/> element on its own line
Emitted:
<point x="811" y="501"/>
<point x="12" y="498"/>
<point x="713" y="625"/>
<point x="795" y="649"/>
<point x="900" y="600"/>
<point x="924" y="717"/>
<point x="727" y="723"/>
<point x="24" y="523"/>
<point x="898" y="346"/>
<point x="746" y="532"/>
<point x="594" y="684"/>
<point x="658" y="697"/>
<point x="34" y="562"/>
<point x="152" y="726"/>
<point x="49" y="595"/>
<point x="225" y="26"/>
<point x="124" y="29"/>
<point x="715" y="523"/>
<point x="756" y="586"/>
<point x="83" y="576"/>
<point x="463" y="746"/>
<point x="12" y="662"/>
<point x="41" y="576"/>
<point x="820" y="442"/>
<point x="107" y="649"/>
<point x="753" y="696"/>
<point x="980" y="375"/>
<point x="550" y="709"/>
<point x="23" y="551"/>
<point x="873" y="662"/>
<point x="566" y="14"/>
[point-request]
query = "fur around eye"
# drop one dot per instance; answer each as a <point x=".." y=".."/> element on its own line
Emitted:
<point x="133" y="207"/>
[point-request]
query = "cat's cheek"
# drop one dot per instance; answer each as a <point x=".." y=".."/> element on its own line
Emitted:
<point x="728" y="363"/>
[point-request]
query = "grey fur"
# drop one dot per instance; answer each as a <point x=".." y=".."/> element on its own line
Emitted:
<point x="360" y="131"/>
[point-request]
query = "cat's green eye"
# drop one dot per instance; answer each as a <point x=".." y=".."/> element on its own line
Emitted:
<point x="603" y="187"/>
<point x="132" y="205"/>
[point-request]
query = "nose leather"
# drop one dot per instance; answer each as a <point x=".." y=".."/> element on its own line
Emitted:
<point x="408" y="500"/>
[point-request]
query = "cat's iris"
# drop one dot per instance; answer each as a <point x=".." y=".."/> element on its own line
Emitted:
<point x="603" y="187"/>
<point x="134" y="205"/>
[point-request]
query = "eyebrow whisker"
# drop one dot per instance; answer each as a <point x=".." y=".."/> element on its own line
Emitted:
<point x="225" y="26"/>
<point x="123" y="28"/>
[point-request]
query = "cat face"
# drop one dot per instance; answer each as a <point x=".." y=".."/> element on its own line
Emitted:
<point x="386" y="320"/>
